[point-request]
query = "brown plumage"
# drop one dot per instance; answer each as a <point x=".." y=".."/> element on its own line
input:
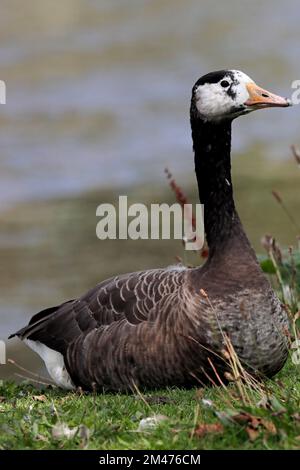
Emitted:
<point x="158" y="328"/>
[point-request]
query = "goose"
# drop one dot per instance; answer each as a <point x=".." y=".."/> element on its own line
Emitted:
<point x="160" y="327"/>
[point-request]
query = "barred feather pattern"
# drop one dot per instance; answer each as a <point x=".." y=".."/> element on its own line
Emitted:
<point x="154" y="329"/>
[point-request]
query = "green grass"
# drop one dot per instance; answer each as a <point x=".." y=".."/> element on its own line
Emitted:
<point x="113" y="419"/>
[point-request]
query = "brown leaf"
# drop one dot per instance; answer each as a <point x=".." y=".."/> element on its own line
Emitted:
<point x="204" y="429"/>
<point x="252" y="433"/>
<point x="242" y="417"/>
<point x="296" y="416"/>
<point x="255" y="422"/>
<point x="270" y="426"/>
<point x="41" y="398"/>
<point x="246" y="418"/>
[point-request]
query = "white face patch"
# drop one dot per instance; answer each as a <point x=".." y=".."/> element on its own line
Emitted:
<point x="215" y="102"/>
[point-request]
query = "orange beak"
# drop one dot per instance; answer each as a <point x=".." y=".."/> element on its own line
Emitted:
<point x="260" y="98"/>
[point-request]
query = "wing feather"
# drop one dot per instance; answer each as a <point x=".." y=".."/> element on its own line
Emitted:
<point x="131" y="298"/>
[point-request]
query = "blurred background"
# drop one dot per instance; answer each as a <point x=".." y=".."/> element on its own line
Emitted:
<point x="97" y="105"/>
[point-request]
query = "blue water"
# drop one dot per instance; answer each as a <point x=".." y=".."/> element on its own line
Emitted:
<point x="98" y="91"/>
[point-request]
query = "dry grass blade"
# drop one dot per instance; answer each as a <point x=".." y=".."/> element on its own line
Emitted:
<point x="44" y="381"/>
<point x="296" y="153"/>
<point x="280" y="201"/>
<point x="182" y="199"/>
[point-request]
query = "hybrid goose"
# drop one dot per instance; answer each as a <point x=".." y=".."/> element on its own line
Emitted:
<point x="155" y="328"/>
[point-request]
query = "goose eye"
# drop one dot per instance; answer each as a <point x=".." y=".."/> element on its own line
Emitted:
<point x="224" y="83"/>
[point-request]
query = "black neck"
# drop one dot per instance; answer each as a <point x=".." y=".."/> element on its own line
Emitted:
<point x="212" y="145"/>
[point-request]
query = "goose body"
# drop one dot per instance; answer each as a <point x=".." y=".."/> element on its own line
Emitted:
<point x="160" y="327"/>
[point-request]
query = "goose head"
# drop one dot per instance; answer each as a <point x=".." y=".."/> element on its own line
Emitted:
<point x="227" y="94"/>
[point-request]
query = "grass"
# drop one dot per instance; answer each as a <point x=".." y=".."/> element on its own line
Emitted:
<point x="29" y="418"/>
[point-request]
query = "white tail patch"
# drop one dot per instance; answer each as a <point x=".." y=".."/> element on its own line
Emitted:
<point x="54" y="363"/>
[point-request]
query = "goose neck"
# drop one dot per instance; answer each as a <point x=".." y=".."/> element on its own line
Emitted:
<point x="212" y="148"/>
